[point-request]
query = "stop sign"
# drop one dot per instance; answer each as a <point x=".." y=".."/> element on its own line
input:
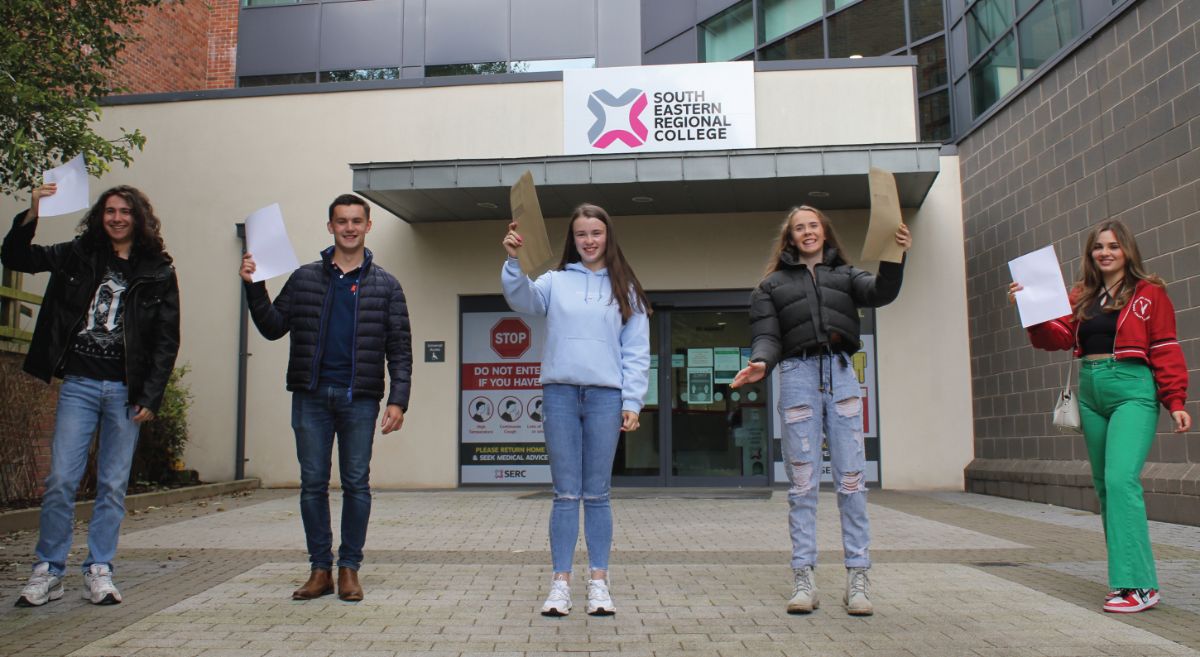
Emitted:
<point x="511" y="337"/>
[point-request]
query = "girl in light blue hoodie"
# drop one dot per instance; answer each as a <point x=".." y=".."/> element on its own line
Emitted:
<point x="594" y="377"/>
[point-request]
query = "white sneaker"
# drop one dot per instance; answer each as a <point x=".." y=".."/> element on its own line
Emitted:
<point x="558" y="603"/>
<point x="98" y="586"/>
<point x="804" y="592"/>
<point x="43" y="587"/>
<point x="857" y="598"/>
<point x="599" y="601"/>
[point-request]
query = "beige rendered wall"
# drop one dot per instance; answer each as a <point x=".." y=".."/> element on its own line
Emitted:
<point x="209" y="163"/>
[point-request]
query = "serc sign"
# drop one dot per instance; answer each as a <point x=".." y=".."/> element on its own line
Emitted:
<point x="659" y="108"/>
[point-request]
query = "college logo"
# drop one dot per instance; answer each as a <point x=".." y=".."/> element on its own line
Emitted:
<point x="628" y="108"/>
<point x="1141" y="308"/>
<point x="501" y="473"/>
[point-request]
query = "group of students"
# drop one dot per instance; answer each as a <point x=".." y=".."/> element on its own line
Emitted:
<point x="110" y="327"/>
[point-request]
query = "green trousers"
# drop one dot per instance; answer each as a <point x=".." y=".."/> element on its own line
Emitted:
<point x="1118" y="408"/>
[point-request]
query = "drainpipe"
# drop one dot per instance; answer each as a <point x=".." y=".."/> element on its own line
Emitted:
<point x="239" y="464"/>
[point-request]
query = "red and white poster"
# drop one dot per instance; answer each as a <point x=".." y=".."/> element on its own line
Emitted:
<point x="501" y="400"/>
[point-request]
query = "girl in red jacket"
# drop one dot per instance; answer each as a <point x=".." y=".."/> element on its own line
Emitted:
<point x="1122" y="325"/>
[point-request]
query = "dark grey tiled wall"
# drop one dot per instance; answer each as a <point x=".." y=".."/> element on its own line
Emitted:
<point x="1113" y="130"/>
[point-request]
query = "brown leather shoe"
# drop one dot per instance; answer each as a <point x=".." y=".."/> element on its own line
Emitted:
<point x="348" y="586"/>
<point x="320" y="582"/>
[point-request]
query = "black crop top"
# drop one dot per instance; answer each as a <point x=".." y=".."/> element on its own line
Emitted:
<point x="1098" y="334"/>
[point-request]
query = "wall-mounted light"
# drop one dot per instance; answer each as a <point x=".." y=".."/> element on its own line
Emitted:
<point x="818" y="194"/>
<point x="642" y="199"/>
<point x="487" y="205"/>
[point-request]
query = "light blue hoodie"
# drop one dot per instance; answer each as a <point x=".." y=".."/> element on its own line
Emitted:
<point x="586" y="344"/>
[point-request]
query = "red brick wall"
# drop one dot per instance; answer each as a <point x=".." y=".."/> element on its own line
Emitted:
<point x="184" y="46"/>
<point x="222" y="43"/>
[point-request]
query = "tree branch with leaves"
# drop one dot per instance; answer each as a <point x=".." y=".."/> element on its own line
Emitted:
<point x="57" y="62"/>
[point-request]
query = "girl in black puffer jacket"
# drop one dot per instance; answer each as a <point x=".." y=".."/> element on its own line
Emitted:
<point x="805" y="312"/>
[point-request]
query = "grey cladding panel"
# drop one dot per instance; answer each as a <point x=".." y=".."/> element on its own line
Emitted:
<point x="619" y="33"/>
<point x="466" y="31"/>
<point x="663" y="19"/>
<point x="683" y="49"/>
<point x="553" y="29"/>
<point x="361" y="35"/>
<point x="414" y="34"/>
<point x="278" y="39"/>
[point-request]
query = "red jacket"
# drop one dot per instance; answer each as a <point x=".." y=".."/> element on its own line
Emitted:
<point x="1145" y="331"/>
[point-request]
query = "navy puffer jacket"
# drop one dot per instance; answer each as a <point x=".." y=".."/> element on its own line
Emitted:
<point x="791" y="311"/>
<point x="381" y="330"/>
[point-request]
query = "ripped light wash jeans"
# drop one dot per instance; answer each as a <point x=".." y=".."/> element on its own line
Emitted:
<point x="582" y="425"/>
<point x="820" y="396"/>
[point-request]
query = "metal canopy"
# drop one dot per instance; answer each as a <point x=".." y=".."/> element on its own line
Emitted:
<point x="700" y="182"/>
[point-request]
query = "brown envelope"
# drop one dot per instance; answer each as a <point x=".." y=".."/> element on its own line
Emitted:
<point x="535" y="254"/>
<point x="880" y="243"/>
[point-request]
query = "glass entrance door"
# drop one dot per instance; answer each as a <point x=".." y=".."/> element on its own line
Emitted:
<point x="696" y="430"/>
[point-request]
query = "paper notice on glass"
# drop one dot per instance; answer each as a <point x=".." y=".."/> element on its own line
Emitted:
<point x="1045" y="296"/>
<point x="880" y="243"/>
<point x="72" y="193"/>
<point x="535" y="254"/>
<point x="267" y="241"/>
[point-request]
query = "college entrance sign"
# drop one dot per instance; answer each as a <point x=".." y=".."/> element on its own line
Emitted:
<point x="635" y="109"/>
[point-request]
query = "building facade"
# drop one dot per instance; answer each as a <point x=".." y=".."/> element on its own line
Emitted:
<point x="1030" y="120"/>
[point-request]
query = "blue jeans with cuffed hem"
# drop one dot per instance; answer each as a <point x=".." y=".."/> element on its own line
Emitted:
<point x="582" y="425"/>
<point x="82" y="405"/>
<point x="819" y="398"/>
<point x="317" y="417"/>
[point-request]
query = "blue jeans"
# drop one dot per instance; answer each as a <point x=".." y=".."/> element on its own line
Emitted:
<point x="82" y="404"/>
<point x="316" y="417"/>
<point x="582" y="425"/>
<point x="819" y="396"/>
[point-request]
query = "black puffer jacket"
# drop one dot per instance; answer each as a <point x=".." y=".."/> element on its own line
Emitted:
<point x="381" y="328"/>
<point x="151" y="309"/>
<point x="789" y="312"/>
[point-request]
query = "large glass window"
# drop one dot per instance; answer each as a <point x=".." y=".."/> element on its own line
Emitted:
<point x="986" y="21"/>
<point x="268" y="3"/>
<point x="931" y="64"/>
<point x="934" y="111"/>
<point x="926" y="18"/>
<point x="728" y="35"/>
<point x="869" y="28"/>
<point x="1046" y="31"/>
<point x="354" y="75"/>
<point x="994" y="75"/>
<point x="779" y="17"/>
<point x="808" y="43"/>
<point x="278" y="78"/>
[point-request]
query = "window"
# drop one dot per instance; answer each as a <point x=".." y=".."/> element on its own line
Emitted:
<point x="278" y="78"/>
<point x="808" y="43"/>
<point x="926" y="18"/>
<point x="354" y="75"/>
<point x="1046" y="31"/>
<point x="727" y="35"/>
<point x="986" y="21"/>
<point x="994" y="75"/>
<point x="934" y="112"/>
<point x="268" y="3"/>
<point x="778" y="17"/>
<point x="931" y="64"/>
<point x="520" y="66"/>
<point x="869" y="28"/>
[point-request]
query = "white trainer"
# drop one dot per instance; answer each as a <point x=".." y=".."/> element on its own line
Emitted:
<point x="98" y="587"/>
<point x="43" y="587"/>
<point x="599" y="601"/>
<point x="804" y="592"/>
<point x="558" y="603"/>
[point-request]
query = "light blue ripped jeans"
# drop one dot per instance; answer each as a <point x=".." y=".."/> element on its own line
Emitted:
<point x="820" y="395"/>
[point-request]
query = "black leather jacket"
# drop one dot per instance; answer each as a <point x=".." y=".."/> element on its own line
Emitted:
<point x="151" y="309"/>
<point x="790" y="312"/>
<point x="381" y="328"/>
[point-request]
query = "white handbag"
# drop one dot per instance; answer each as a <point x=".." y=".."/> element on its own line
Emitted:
<point x="1066" y="409"/>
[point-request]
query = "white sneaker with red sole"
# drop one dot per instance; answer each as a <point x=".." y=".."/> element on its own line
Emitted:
<point x="1130" y="601"/>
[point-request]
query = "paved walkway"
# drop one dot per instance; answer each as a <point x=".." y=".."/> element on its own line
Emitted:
<point x="462" y="573"/>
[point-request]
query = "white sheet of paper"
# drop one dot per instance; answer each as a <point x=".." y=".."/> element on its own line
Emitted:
<point x="1045" y="296"/>
<point x="267" y="241"/>
<point x="72" y="194"/>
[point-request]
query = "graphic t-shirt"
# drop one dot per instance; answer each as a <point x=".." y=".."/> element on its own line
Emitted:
<point x="98" y="350"/>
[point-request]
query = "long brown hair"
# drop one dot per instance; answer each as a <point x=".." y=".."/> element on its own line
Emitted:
<point x="147" y="229"/>
<point x="784" y="243"/>
<point x="1091" y="279"/>
<point x="620" y="274"/>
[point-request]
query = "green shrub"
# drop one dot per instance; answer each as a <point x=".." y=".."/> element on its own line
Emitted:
<point x="159" y="454"/>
